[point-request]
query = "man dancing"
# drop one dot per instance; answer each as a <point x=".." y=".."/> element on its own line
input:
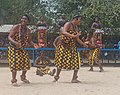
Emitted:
<point x="66" y="56"/>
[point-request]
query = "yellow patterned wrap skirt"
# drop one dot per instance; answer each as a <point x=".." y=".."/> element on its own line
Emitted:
<point x="18" y="59"/>
<point x="93" y="56"/>
<point x="67" y="57"/>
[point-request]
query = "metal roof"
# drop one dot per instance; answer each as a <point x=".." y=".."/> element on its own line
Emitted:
<point x="5" y="28"/>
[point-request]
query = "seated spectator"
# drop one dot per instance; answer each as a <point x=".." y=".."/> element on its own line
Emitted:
<point x="42" y="63"/>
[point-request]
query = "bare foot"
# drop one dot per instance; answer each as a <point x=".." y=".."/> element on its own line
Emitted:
<point x="90" y="70"/>
<point x="26" y="81"/>
<point x="56" y="78"/>
<point x="101" y="70"/>
<point x="52" y="72"/>
<point x="15" y="84"/>
<point x="75" y="81"/>
<point x="23" y="78"/>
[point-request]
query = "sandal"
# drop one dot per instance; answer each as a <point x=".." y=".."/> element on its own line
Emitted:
<point x="23" y="78"/>
<point x="14" y="83"/>
<point x="56" y="78"/>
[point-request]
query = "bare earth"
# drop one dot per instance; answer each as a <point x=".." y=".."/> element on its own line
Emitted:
<point x="93" y="83"/>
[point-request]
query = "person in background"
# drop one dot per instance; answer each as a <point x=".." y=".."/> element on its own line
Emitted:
<point x="118" y="45"/>
<point x="97" y="28"/>
<point x="93" y="56"/>
<point x="42" y="27"/>
<point x="119" y="49"/>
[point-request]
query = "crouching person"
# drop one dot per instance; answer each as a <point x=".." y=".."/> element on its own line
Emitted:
<point x="42" y="63"/>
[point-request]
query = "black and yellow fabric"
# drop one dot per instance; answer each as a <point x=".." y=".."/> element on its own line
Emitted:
<point x="45" y="70"/>
<point x="93" y="56"/>
<point x="46" y="61"/>
<point x="18" y="59"/>
<point x="66" y="56"/>
<point x="80" y="59"/>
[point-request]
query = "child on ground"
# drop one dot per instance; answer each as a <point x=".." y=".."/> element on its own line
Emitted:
<point x="42" y="63"/>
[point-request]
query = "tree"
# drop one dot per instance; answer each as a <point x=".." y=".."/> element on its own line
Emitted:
<point x="107" y="10"/>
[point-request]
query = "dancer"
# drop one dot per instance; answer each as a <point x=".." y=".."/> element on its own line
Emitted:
<point x="93" y="56"/>
<point x="66" y="56"/>
<point x="18" y="58"/>
<point x="42" y="63"/>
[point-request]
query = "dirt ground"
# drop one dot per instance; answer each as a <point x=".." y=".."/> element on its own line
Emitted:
<point x="92" y="83"/>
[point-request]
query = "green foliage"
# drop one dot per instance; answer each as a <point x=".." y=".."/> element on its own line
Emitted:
<point x="107" y="10"/>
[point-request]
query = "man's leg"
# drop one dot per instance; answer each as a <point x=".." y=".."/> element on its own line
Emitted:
<point x="14" y="73"/>
<point x="90" y="64"/>
<point x="100" y="66"/>
<point x="14" y="80"/>
<point x="57" y="75"/>
<point x="91" y="68"/>
<point x="90" y="59"/>
<point x="74" y="79"/>
<point x="23" y="77"/>
<point x="97" y="61"/>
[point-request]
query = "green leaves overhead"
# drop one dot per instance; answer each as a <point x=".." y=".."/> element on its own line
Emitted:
<point x="107" y="10"/>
